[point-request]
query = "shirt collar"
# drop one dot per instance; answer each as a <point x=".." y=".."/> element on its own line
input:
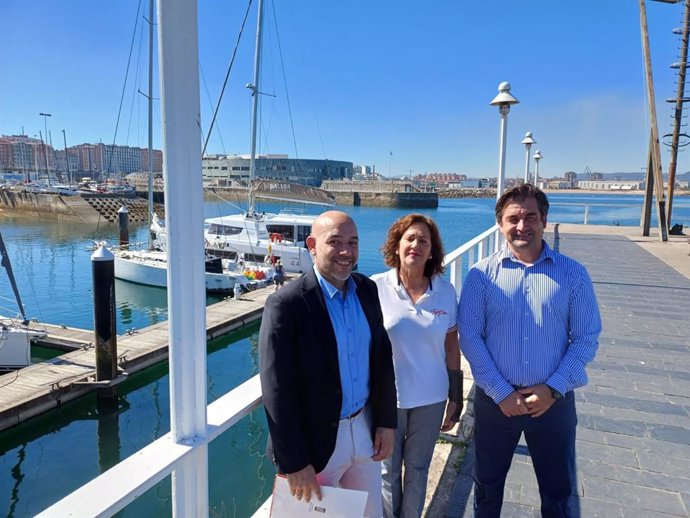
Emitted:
<point x="331" y="291"/>
<point x="393" y="279"/>
<point x="546" y="253"/>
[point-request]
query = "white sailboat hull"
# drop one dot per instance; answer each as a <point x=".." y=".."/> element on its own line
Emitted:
<point x="15" y="345"/>
<point x="151" y="269"/>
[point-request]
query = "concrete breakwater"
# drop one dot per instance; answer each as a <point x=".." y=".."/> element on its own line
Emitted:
<point x="391" y="193"/>
<point x="92" y="208"/>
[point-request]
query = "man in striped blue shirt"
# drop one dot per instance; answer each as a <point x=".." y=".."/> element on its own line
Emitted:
<point x="529" y="324"/>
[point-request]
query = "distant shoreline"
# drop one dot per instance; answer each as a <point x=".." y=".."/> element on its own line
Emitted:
<point x="638" y="192"/>
<point x="491" y="193"/>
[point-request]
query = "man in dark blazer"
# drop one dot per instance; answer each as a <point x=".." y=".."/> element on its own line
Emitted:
<point x="327" y="373"/>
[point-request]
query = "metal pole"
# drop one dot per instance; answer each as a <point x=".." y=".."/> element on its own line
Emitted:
<point x="536" y="172"/>
<point x="103" y="270"/>
<point x="528" y="146"/>
<point x="180" y="112"/>
<point x="503" y="110"/>
<point x="45" y="156"/>
<point x="255" y="102"/>
<point x="68" y="173"/>
<point x="656" y="155"/>
<point x="150" y="122"/>
<point x="678" y="113"/>
<point x="45" y="152"/>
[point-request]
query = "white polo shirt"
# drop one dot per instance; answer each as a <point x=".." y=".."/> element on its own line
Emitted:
<point x="418" y="333"/>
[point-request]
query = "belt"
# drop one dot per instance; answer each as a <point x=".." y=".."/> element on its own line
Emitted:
<point x="352" y="415"/>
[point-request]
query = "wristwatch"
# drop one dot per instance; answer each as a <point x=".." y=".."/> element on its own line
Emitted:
<point x="555" y="394"/>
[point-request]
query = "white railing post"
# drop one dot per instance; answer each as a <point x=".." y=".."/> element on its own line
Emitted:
<point x="475" y="249"/>
<point x="181" y="120"/>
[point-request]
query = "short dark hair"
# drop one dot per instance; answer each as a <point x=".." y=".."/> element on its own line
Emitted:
<point x="435" y="263"/>
<point x="521" y="193"/>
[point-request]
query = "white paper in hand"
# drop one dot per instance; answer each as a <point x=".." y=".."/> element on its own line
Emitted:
<point x="335" y="502"/>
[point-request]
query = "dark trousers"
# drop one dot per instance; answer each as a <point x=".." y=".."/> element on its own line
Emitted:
<point x="551" y="443"/>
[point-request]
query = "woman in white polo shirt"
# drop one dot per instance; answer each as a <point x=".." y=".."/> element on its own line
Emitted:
<point x="419" y="309"/>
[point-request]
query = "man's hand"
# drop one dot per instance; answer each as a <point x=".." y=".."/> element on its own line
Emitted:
<point x="538" y="399"/>
<point x="513" y="405"/>
<point x="303" y="482"/>
<point x="383" y="443"/>
<point x="448" y="423"/>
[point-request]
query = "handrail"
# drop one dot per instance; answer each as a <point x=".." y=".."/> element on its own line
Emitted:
<point x="111" y="491"/>
<point x="119" y="486"/>
<point x="465" y="256"/>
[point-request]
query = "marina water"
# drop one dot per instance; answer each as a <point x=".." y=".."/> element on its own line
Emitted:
<point x="50" y="456"/>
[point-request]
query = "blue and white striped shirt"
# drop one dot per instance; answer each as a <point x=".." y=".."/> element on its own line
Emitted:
<point x="353" y="336"/>
<point x="525" y="325"/>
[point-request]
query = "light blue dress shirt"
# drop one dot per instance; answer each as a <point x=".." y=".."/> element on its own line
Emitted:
<point x="353" y="336"/>
<point x="525" y="325"/>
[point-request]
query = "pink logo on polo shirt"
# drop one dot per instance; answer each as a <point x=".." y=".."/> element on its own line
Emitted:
<point x="439" y="312"/>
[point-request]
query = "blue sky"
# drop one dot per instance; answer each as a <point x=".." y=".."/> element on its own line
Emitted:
<point x="364" y="78"/>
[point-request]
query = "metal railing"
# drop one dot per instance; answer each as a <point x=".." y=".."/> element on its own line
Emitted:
<point x="113" y="490"/>
<point x="460" y="259"/>
<point x="587" y="206"/>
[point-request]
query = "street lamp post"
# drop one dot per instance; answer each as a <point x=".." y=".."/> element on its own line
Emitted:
<point x="527" y="141"/>
<point x="537" y="156"/>
<point x="504" y="101"/>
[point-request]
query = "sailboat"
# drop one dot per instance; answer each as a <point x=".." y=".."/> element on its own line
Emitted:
<point x="15" y="334"/>
<point x="257" y="236"/>
<point x="150" y="267"/>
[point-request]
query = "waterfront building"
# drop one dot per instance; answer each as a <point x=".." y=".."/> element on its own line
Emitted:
<point x="23" y="154"/>
<point x="571" y="178"/>
<point x="221" y="170"/>
<point x="73" y="159"/>
<point x="611" y="185"/>
<point x="465" y="184"/>
<point x="363" y="172"/>
<point x="157" y="160"/>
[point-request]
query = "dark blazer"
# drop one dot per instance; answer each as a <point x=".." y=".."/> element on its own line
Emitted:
<point x="300" y="376"/>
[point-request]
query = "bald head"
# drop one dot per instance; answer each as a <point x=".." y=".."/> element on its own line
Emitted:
<point x="334" y="246"/>
<point x="327" y="220"/>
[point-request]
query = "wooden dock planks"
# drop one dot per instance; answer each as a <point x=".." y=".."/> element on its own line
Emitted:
<point x="30" y="391"/>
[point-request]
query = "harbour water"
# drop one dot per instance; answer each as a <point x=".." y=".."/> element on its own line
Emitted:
<point x="48" y="457"/>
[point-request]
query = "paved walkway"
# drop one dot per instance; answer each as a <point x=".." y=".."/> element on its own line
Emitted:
<point x="633" y="441"/>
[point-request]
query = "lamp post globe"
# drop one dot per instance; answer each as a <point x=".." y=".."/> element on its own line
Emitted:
<point x="527" y="141"/>
<point x="537" y="157"/>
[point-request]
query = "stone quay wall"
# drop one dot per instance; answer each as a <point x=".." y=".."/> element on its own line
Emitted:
<point x="467" y="193"/>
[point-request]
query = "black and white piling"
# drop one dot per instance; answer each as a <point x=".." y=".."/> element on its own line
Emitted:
<point x="103" y="268"/>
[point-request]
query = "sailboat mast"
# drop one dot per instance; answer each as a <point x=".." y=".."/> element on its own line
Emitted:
<point x="5" y="261"/>
<point x="68" y="173"/>
<point x="255" y="102"/>
<point x="150" y="122"/>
